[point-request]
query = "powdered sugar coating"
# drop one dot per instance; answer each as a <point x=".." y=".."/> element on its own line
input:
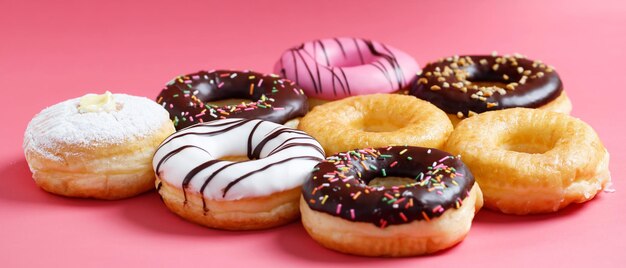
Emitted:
<point x="62" y="124"/>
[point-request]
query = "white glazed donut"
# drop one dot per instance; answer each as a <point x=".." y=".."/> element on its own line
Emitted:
<point x="197" y="183"/>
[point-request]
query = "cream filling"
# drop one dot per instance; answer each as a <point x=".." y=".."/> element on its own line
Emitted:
<point x="94" y="103"/>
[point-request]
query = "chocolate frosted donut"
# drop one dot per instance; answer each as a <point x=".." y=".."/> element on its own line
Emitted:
<point x="339" y="185"/>
<point x="466" y="85"/>
<point x="272" y="98"/>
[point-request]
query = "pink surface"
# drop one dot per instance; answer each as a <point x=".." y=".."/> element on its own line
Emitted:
<point x="51" y="51"/>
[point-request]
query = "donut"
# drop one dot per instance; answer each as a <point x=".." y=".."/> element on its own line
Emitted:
<point x="199" y="180"/>
<point x="424" y="202"/>
<point x="336" y="68"/>
<point x="463" y="86"/>
<point x="531" y="160"/>
<point x="96" y="146"/>
<point x="191" y="98"/>
<point x="376" y="120"/>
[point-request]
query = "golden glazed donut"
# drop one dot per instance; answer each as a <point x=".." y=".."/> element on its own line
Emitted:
<point x="530" y="160"/>
<point x="198" y="179"/>
<point x="375" y="121"/>
<point x="464" y="86"/>
<point x="97" y="146"/>
<point x="393" y="201"/>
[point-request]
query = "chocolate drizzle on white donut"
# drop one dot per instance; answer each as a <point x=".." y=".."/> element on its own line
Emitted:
<point x="281" y="139"/>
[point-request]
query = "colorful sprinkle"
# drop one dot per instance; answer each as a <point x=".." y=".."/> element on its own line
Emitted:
<point x="345" y="176"/>
<point x="425" y="216"/>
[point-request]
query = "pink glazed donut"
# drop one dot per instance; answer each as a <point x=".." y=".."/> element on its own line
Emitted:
<point x="336" y="68"/>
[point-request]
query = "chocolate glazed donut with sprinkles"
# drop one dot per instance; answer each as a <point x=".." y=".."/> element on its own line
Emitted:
<point x="432" y="209"/>
<point x="188" y="97"/>
<point x="464" y="86"/>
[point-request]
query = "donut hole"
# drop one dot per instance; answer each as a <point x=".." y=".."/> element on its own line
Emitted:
<point x="386" y="176"/>
<point x="384" y="126"/>
<point x="343" y="62"/>
<point x="390" y="181"/>
<point x="379" y="120"/>
<point x="228" y="102"/>
<point x="490" y="78"/>
<point x="528" y="148"/>
<point x="489" y="84"/>
<point x="228" y="94"/>
<point x="235" y="158"/>
<point x="527" y="141"/>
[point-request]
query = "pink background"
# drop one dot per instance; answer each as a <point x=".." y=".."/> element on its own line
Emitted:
<point x="54" y="50"/>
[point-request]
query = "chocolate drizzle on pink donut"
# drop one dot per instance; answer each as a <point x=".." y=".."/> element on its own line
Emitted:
<point x="273" y="98"/>
<point x="339" y="185"/>
<point x="330" y="68"/>
<point x="297" y="54"/>
<point x="450" y="84"/>
<point x="391" y="59"/>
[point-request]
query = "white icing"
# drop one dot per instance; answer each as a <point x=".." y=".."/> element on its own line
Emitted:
<point x="277" y="178"/>
<point x="62" y="124"/>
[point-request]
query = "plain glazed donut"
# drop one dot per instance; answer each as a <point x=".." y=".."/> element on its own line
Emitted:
<point x="530" y="160"/>
<point x="376" y="120"/>
<point x="335" y="68"/>
<point x="196" y="182"/>
<point x="97" y="146"/>
<point x="432" y="210"/>
<point x="463" y="86"/>
<point x="189" y="98"/>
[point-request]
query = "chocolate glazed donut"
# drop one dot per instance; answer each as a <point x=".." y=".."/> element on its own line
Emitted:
<point x="272" y="98"/>
<point x="453" y="84"/>
<point x="339" y="185"/>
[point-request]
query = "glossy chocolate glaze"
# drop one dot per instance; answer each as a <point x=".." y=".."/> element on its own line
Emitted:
<point x="447" y="83"/>
<point x="338" y="185"/>
<point x="273" y="98"/>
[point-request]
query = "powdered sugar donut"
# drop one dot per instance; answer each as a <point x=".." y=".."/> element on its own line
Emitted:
<point x="97" y="146"/>
<point x="198" y="179"/>
<point x="336" y="68"/>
